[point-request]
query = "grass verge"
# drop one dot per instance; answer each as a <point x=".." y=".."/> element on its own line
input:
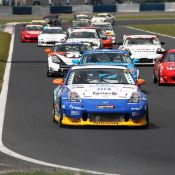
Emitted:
<point x="4" y="50"/>
<point x="167" y="29"/>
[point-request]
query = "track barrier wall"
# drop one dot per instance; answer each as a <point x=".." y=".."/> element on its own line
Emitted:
<point x="22" y="10"/>
<point x="125" y="7"/>
<point x="60" y="9"/>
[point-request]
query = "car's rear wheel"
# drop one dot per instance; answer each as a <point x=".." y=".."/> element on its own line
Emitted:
<point x="154" y="78"/>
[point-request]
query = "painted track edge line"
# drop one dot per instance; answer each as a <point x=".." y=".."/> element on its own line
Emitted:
<point x="3" y="100"/>
<point x="129" y="27"/>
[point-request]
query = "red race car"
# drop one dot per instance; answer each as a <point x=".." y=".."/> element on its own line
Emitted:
<point x="164" y="68"/>
<point x="30" y="33"/>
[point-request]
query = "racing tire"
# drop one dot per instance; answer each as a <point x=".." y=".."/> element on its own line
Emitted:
<point x="59" y="121"/>
<point x="147" y="119"/>
<point x="158" y="81"/>
<point x="154" y="79"/>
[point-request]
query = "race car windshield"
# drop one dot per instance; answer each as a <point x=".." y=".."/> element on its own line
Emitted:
<point x="102" y="26"/>
<point x="170" y="57"/>
<point x="142" y="41"/>
<point x="100" y="76"/>
<point x="83" y="35"/>
<point x="34" y="28"/>
<point x="81" y="17"/>
<point x="101" y="16"/>
<point x="80" y="24"/>
<point x="72" y="48"/>
<point x="53" y="31"/>
<point x="106" y="58"/>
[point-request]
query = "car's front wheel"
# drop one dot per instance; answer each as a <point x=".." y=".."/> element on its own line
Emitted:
<point x="57" y="118"/>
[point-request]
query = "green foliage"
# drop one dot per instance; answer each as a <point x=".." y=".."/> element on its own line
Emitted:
<point x="167" y="29"/>
<point x="4" y="49"/>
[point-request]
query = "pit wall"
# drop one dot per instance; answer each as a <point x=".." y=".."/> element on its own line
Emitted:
<point x="125" y="7"/>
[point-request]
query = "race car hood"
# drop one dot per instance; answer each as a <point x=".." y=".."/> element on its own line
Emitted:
<point x="103" y="91"/>
<point x="86" y="40"/>
<point x="69" y="54"/>
<point x="143" y="48"/>
<point x="31" y="32"/>
<point x="94" y="19"/>
<point x="52" y="36"/>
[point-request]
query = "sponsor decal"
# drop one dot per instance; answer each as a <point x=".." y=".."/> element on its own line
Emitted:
<point x="135" y="109"/>
<point x="75" y="113"/>
<point x="106" y="123"/>
<point x="75" y="108"/>
<point x="104" y="93"/>
<point x="105" y="106"/>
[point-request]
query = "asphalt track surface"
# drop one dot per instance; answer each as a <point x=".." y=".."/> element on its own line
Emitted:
<point x="28" y="127"/>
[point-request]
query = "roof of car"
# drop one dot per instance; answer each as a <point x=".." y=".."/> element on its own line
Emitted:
<point x="98" y="66"/>
<point x="33" y="25"/>
<point x="68" y="43"/>
<point x="52" y="27"/>
<point x="84" y="30"/>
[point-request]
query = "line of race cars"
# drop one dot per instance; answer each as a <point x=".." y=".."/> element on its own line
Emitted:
<point x="101" y="85"/>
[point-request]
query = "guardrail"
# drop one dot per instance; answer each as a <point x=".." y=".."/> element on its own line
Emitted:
<point x="125" y="7"/>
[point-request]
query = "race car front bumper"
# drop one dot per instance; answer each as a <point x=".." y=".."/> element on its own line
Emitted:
<point x="129" y="115"/>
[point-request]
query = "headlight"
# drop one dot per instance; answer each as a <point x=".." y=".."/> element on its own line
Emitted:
<point x="55" y="59"/>
<point x="135" y="97"/>
<point x="74" y="97"/>
<point x="132" y="70"/>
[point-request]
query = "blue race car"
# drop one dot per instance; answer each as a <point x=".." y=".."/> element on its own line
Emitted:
<point x="100" y="95"/>
<point x="109" y="57"/>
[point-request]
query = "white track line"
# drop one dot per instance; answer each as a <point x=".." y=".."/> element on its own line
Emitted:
<point x="3" y="99"/>
<point x="129" y="27"/>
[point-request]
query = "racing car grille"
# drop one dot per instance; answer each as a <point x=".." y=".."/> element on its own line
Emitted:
<point x="51" y="42"/>
<point x="145" y="60"/>
<point x="105" y="117"/>
<point x="32" y="39"/>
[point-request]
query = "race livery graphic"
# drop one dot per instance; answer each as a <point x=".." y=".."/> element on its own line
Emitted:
<point x="100" y="95"/>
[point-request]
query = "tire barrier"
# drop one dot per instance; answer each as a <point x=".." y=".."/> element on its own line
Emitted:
<point x="152" y="7"/>
<point x="22" y="10"/>
<point x="60" y="9"/>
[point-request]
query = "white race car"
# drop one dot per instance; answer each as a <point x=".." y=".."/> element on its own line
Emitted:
<point x="107" y="27"/>
<point x="142" y="47"/>
<point x="51" y="35"/>
<point x="61" y="56"/>
<point x="103" y="17"/>
<point x="86" y="35"/>
<point x="81" y="17"/>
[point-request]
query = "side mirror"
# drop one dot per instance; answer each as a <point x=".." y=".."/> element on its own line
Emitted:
<point x="140" y="81"/>
<point x="135" y="60"/>
<point x="76" y="62"/>
<point x="58" y="81"/>
<point x="48" y="50"/>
